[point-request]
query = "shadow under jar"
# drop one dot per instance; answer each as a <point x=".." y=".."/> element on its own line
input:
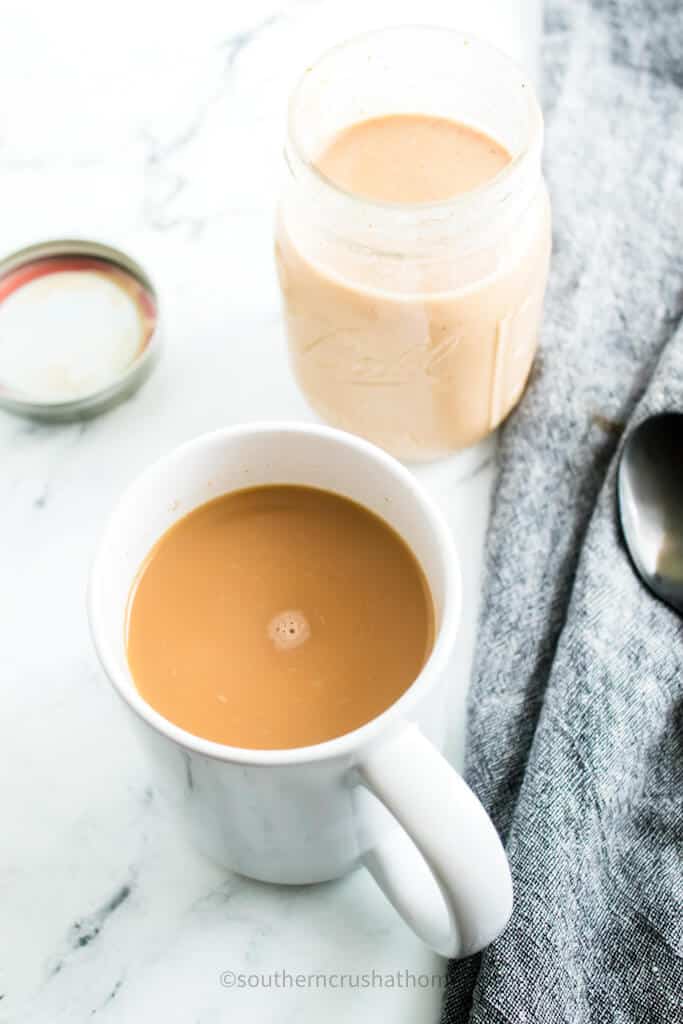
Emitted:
<point x="414" y="324"/>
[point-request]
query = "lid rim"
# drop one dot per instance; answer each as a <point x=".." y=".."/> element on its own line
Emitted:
<point x="124" y="384"/>
<point x="76" y="247"/>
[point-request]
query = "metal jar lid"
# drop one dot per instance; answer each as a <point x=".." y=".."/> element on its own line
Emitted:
<point x="79" y="329"/>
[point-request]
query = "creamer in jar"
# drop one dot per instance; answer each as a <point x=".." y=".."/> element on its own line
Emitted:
<point x="413" y="238"/>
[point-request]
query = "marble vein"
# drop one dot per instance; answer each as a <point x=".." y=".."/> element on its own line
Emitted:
<point x="86" y="929"/>
<point x="166" y="184"/>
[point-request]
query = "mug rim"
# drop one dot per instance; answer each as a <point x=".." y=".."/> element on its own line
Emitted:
<point x="339" y="746"/>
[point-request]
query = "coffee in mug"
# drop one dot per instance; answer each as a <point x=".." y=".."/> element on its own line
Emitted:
<point x="277" y="617"/>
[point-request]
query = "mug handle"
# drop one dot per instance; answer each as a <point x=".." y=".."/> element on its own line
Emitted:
<point x="454" y="845"/>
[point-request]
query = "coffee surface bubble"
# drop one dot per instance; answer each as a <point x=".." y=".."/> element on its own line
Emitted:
<point x="289" y="629"/>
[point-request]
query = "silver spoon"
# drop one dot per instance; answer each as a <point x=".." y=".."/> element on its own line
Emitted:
<point x="650" y="490"/>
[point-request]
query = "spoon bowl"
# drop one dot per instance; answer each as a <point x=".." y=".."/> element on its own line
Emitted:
<point x="650" y="494"/>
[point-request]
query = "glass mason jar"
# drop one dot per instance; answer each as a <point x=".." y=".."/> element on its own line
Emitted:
<point x="414" y="324"/>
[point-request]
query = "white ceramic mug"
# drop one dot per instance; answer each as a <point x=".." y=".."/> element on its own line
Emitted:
<point x="381" y="795"/>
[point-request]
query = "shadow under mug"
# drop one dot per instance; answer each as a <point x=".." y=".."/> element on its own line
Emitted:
<point x="382" y="795"/>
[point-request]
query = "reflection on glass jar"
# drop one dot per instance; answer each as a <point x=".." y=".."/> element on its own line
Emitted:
<point x="412" y="323"/>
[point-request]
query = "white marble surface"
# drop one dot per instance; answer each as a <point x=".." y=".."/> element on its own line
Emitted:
<point x="158" y="127"/>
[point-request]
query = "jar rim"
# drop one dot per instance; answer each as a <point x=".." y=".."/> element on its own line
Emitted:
<point x="498" y="187"/>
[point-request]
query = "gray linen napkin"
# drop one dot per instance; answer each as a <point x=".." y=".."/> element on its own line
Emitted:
<point x="576" y="705"/>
